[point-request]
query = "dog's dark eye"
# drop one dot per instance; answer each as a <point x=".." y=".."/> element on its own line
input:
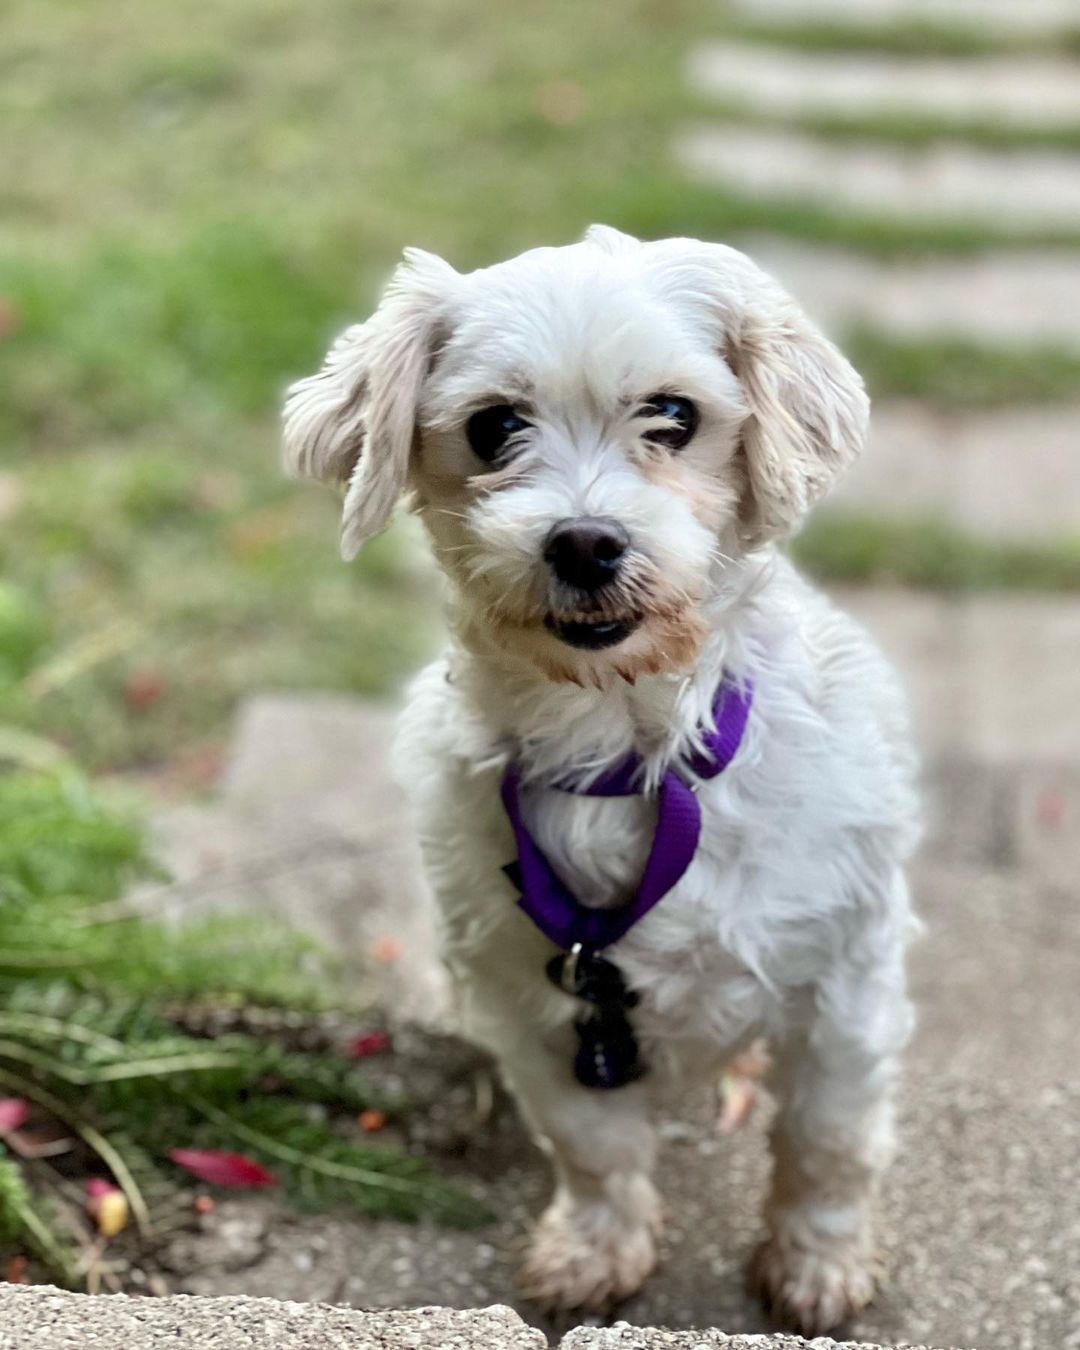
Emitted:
<point x="489" y="429"/>
<point x="680" y="412"/>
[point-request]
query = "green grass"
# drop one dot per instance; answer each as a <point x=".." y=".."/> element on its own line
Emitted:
<point x="956" y="372"/>
<point x="160" y="585"/>
<point x="904" y="127"/>
<point x="912" y="38"/>
<point x="195" y="198"/>
<point x="95" y="1006"/>
<point x="932" y="554"/>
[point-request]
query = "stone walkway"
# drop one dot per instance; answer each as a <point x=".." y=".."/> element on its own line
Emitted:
<point x="1009" y="298"/>
<point x="945" y="181"/>
<point x="1015" y="90"/>
<point x="1008" y="474"/>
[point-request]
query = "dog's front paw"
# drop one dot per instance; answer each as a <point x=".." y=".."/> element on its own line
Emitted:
<point x="814" y="1288"/>
<point x="589" y="1257"/>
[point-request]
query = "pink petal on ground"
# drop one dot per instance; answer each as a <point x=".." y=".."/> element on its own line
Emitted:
<point x="13" y="1113"/>
<point x="97" y="1186"/>
<point x="222" y="1169"/>
<point x="371" y="1043"/>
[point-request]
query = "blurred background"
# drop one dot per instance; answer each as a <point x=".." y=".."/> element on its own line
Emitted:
<point x="195" y="198"/>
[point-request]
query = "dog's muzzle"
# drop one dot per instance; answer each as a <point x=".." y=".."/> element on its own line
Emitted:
<point x="586" y="554"/>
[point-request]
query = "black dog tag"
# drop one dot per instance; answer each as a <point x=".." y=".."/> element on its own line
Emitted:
<point x="607" y="1055"/>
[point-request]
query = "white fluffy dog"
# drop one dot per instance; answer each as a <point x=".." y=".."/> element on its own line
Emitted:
<point x="604" y="442"/>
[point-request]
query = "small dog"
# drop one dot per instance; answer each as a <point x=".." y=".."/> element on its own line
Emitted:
<point x="604" y="443"/>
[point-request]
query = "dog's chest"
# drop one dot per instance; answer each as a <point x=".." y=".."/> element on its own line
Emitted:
<point x="596" y="845"/>
<point x="677" y="960"/>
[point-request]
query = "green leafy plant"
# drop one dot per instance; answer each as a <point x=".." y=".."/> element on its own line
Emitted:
<point x="108" y="1044"/>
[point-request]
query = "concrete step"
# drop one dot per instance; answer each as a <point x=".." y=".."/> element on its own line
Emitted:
<point x="1012" y="474"/>
<point x="49" y="1319"/>
<point x="1000" y="16"/>
<point x="1003" y="297"/>
<point x="34" y="1318"/>
<point x="1013" y="89"/>
<point x="992" y="679"/>
<point x="944" y="181"/>
<point x="310" y="828"/>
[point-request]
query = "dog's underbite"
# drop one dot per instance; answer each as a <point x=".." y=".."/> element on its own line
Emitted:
<point x="664" y="790"/>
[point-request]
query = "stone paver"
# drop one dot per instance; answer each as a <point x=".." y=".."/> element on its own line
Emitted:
<point x="991" y="678"/>
<point x="622" y="1336"/>
<point x="1006" y="474"/>
<point x="996" y="980"/>
<point x="1006" y="16"/>
<point x="942" y="181"/>
<point x="1010" y="89"/>
<point x="312" y="830"/>
<point x="1006" y="297"/>
<point x="49" y="1319"/>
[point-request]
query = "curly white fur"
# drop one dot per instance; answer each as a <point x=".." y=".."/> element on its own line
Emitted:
<point x="793" y="918"/>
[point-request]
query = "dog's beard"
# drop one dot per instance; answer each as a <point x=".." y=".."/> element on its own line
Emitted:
<point x="549" y="628"/>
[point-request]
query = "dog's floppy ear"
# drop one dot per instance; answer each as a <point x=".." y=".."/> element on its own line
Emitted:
<point x="808" y="409"/>
<point x="353" y="423"/>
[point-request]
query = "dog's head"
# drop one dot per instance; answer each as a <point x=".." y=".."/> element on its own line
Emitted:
<point x="593" y="435"/>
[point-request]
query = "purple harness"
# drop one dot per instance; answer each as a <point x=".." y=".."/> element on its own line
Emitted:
<point x="607" y="1056"/>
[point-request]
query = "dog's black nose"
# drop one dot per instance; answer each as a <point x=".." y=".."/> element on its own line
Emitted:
<point x="586" y="552"/>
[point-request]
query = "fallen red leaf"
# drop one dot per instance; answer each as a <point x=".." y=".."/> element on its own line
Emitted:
<point x="13" y="1113"/>
<point x="222" y="1169"/>
<point x="15" y="1270"/>
<point x="143" y="688"/>
<point x="371" y="1043"/>
<point x="386" y="949"/>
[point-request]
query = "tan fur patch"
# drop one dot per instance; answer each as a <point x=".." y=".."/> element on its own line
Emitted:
<point x="710" y="501"/>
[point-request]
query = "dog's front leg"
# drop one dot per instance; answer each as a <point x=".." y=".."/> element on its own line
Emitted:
<point x="596" y="1241"/>
<point x="832" y="1139"/>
